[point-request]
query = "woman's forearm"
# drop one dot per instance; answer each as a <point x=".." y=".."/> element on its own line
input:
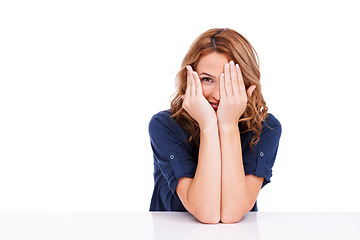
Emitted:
<point x="205" y="189"/>
<point x="235" y="200"/>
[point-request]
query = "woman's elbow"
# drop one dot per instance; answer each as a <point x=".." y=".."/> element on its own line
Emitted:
<point x="229" y="220"/>
<point x="209" y="219"/>
<point x="234" y="214"/>
<point x="232" y="217"/>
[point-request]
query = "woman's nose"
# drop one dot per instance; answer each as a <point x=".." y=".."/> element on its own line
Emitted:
<point x="216" y="92"/>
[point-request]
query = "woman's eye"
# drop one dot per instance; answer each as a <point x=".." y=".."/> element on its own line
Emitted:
<point x="206" y="79"/>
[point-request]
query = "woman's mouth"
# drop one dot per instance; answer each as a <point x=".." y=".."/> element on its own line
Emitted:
<point x="214" y="105"/>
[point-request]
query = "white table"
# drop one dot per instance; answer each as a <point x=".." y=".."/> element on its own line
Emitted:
<point x="175" y="225"/>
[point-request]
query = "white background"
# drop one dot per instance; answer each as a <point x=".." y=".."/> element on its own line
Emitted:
<point x="80" y="80"/>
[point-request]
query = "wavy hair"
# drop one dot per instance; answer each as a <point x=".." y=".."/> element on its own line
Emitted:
<point x="238" y="49"/>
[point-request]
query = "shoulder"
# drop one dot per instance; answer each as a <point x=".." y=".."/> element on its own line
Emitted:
<point x="163" y="123"/>
<point x="162" y="115"/>
<point x="271" y="131"/>
<point x="272" y="124"/>
<point x="162" y="119"/>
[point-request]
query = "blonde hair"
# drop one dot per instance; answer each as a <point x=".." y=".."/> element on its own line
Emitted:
<point x="238" y="49"/>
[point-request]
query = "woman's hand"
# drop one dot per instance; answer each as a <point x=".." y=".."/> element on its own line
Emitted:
<point x="233" y="95"/>
<point x="194" y="101"/>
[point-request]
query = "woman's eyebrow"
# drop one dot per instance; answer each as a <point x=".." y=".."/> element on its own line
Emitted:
<point x="207" y="74"/>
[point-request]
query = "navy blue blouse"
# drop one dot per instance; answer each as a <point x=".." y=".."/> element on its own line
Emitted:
<point x="175" y="157"/>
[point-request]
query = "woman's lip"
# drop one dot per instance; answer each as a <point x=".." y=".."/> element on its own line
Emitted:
<point x="214" y="105"/>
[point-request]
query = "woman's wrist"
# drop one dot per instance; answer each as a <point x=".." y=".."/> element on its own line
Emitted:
<point x="209" y="124"/>
<point x="228" y="126"/>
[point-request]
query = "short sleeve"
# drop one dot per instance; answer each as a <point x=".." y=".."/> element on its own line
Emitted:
<point x="260" y="160"/>
<point x="172" y="154"/>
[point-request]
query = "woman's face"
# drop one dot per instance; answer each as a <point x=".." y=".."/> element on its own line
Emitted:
<point x="209" y="68"/>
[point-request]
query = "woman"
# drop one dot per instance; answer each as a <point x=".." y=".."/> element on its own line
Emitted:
<point x="214" y="149"/>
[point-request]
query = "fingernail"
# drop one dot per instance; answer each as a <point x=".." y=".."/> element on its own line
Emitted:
<point x="227" y="65"/>
<point x="188" y="67"/>
<point x="231" y="62"/>
<point x="237" y="65"/>
<point x="222" y="75"/>
<point x="194" y="73"/>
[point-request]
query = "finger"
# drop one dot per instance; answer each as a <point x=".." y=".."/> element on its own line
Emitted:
<point x="250" y="90"/>
<point x="222" y="87"/>
<point x="198" y="88"/>
<point x="190" y="81"/>
<point x="234" y="79"/>
<point x="228" y="86"/>
<point x="241" y="80"/>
